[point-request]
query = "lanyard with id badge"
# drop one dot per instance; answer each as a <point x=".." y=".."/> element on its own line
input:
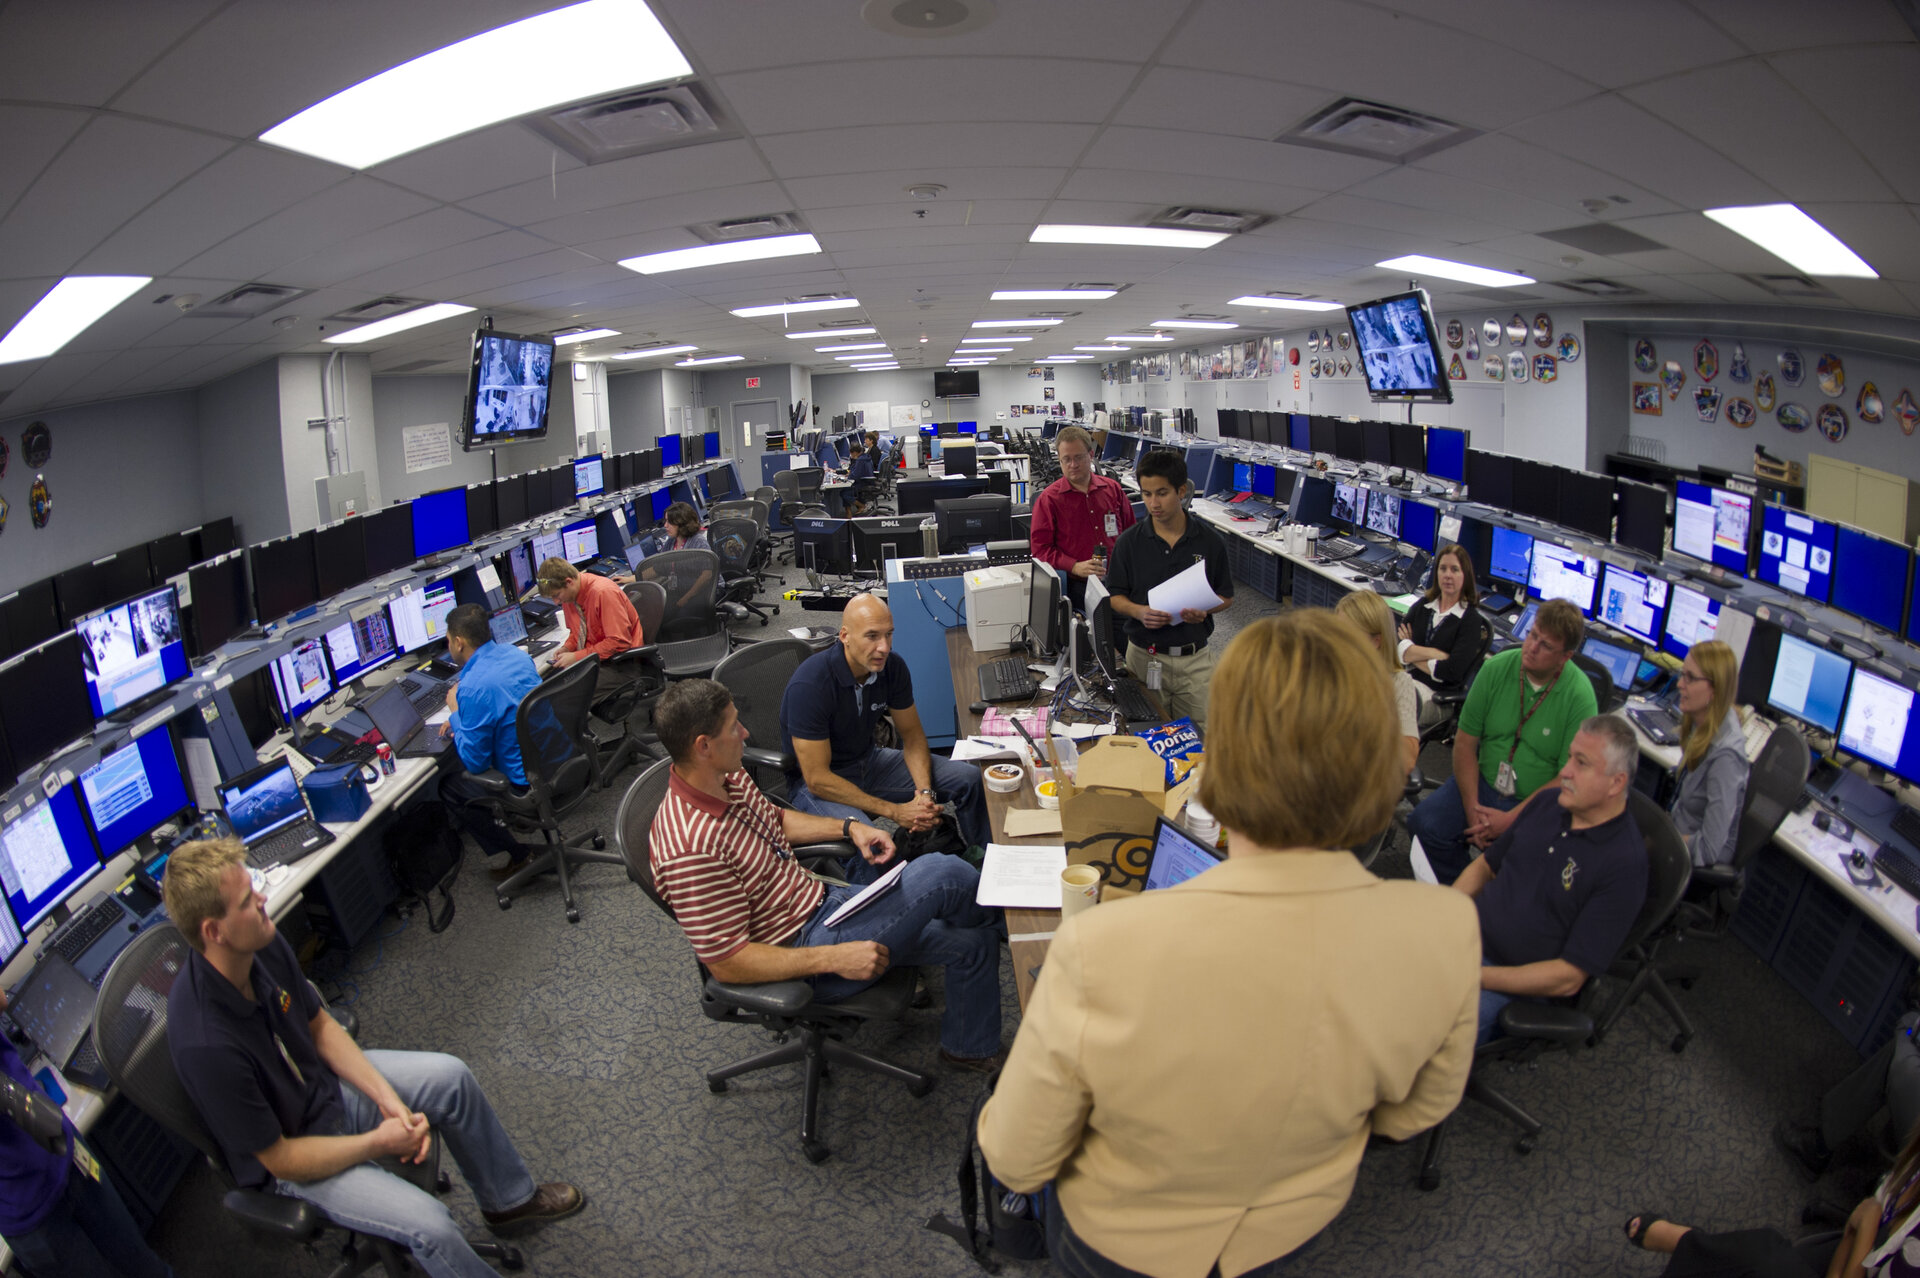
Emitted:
<point x="1504" y="780"/>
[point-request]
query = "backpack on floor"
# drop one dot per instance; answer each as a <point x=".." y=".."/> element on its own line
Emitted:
<point x="425" y="852"/>
<point x="993" y="1218"/>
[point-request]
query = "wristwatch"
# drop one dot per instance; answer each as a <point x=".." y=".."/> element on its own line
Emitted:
<point x="930" y="794"/>
<point x="846" y="830"/>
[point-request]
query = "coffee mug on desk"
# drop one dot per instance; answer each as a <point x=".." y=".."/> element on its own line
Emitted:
<point x="1079" y="889"/>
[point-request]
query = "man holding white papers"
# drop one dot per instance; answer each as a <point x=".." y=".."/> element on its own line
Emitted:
<point x="1168" y="650"/>
<point x="722" y="859"/>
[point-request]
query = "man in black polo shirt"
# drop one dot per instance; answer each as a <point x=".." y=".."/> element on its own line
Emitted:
<point x="827" y="717"/>
<point x="1558" y="892"/>
<point x="1168" y="653"/>
<point x="295" y="1104"/>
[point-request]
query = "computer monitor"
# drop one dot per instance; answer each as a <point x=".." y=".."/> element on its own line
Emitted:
<point x="1383" y="513"/>
<point x="132" y="650"/>
<point x="1870" y="577"/>
<point x="92" y="586"/>
<point x="720" y="484"/>
<point x="1262" y="423"/>
<point x="44" y="704"/>
<point x="264" y="800"/>
<point x="969" y="522"/>
<point x="129" y="792"/>
<point x="283" y="576"/>
<point x="1313" y="500"/>
<point x="1803" y="680"/>
<point x="1377" y="442"/>
<point x="654" y="464"/>
<point x="1284" y="479"/>
<point x="301" y="679"/>
<point x="1418" y="524"/>
<point x="1641" y="522"/>
<point x="214" y="537"/>
<point x="1634" y="602"/>
<point x="1349" y="507"/>
<point x="657" y="502"/>
<point x="1511" y="557"/>
<point x="439" y="522"/>
<point x="1266" y="480"/>
<point x="1045" y="606"/>
<point x="508" y="625"/>
<point x="1524" y="622"/>
<point x="878" y="538"/>
<point x="49" y="856"/>
<point x="1321" y="434"/>
<point x="1621" y="664"/>
<point x="510" y="500"/>
<point x="964" y="459"/>
<point x="669" y="446"/>
<point x="1299" y="432"/>
<point x="1713" y="524"/>
<point x="580" y="541"/>
<point x="31" y="615"/>
<point x="589" y="477"/>
<point x="1447" y="453"/>
<point x="822" y="544"/>
<point x="11" y="937"/>
<point x="361" y="644"/>
<point x="1177" y="857"/>
<point x="1880" y="725"/>
<point x="1693" y="616"/>
<point x="1407" y="446"/>
<point x="339" y="556"/>
<point x="170" y="556"/>
<point x="388" y="534"/>
<point x="711" y="441"/>
<point x="1472" y="535"/>
<point x="1242" y="477"/>
<point x="1490" y="479"/>
<point x="221" y="606"/>
<point x="1796" y="552"/>
<point x="515" y="566"/>
<point x="1559" y="573"/>
<point x="917" y="496"/>
<point x="1586" y="503"/>
<point x="548" y="543"/>
<point x="483" y="510"/>
<point x="1536" y="489"/>
<point x="1349" y="440"/>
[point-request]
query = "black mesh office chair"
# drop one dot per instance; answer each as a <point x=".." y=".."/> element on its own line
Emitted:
<point x="562" y="765"/>
<point x="130" y="1034"/>
<point x="758" y="511"/>
<point x="757" y="676"/>
<point x="1774" y="784"/>
<point x="733" y="541"/>
<point x="786" y="485"/>
<point x="809" y="1033"/>
<point x="1639" y="963"/>
<point x="1606" y="695"/>
<point x="691" y="637"/>
<point x="1529" y="1028"/>
<point x="809" y="481"/>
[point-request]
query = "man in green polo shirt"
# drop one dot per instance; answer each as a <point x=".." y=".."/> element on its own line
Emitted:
<point x="1515" y="731"/>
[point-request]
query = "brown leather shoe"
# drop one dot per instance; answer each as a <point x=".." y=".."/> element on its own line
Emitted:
<point x="977" y="1064"/>
<point x="555" y="1200"/>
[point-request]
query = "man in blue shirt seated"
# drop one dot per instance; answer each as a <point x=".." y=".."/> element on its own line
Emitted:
<point x="295" y="1105"/>
<point x="58" y="1209"/>
<point x="861" y="471"/>
<point x="827" y="718"/>
<point x="485" y="701"/>
<point x="1558" y="892"/>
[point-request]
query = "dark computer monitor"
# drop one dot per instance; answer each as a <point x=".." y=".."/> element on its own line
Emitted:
<point x="1300" y="432"/>
<point x="510" y="500"/>
<point x="1641" y="517"/>
<point x="1559" y="573"/>
<point x="1511" y="558"/>
<point x="214" y="537"/>
<point x="1349" y="507"/>
<point x="720" y="484"/>
<point x="1322" y="434"/>
<point x="1418" y="524"/>
<point x="1284" y="479"/>
<point x="546" y="544"/>
<point x="1313" y="500"/>
<point x="917" y="496"/>
<point x="1473" y="536"/>
<point x="822" y="544"/>
<point x="1693" y="616"/>
<point x="49" y="856"/>
<point x="656" y="463"/>
<point x="1383" y="513"/>
<point x="1377" y="442"/>
<point x="221" y="608"/>
<point x="1633" y="602"/>
<point x="1490" y="479"/>
<point x="339" y="556"/>
<point x="129" y="792"/>
<point x="1349" y="440"/>
<point x="1536" y="489"/>
<point x="28" y="618"/>
<point x="580" y="541"/>
<point x="483" y="511"/>
<point x="878" y="538"/>
<point x="301" y="678"/>
<point x="388" y="534"/>
<point x="1795" y="676"/>
<point x="1407" y="446"/>
<point x="43" y="700"/>
<point x="92" y="586"/>
<point x="1870" y="729"/>
<point x="1796" y="553"/>
<point x="1586" y="503"/>
<point x="283" y="579"/>
<point x="1713" y="524"/>
<point x="1045" y="612"/>
<point x="962" y="459"/>
<point x="669" y="448"/>
<point x="1870" y="577"/>
<point x="589" y="477"/>
<point x="657" y="502"/>
<point x="1227" y="423"/>
<point x="1262" y="423"/>
<point x="969" y="522"/>
<point x="252" y="697"/>
<point x="439" y="522"/>
<point x="1447" y="453"/>
<point x="132" y="650"/>
<point x="170" y="556"/>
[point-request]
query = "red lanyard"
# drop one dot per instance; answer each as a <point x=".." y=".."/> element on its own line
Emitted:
<point x="1515" y="749"/>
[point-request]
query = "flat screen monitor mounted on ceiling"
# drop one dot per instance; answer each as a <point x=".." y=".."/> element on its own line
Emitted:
<point x="1399" y="347"/>
<point x="960" y="384"/>
<point x="508" y="390"/>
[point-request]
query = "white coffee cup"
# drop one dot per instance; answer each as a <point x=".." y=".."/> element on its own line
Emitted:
<point x="1079" y="889"/>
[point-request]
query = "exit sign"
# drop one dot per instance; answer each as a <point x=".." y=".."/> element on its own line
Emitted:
<point x="753" y="383"/>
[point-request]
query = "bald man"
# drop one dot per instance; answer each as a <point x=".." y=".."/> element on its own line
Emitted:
<point x="827" y="718"/>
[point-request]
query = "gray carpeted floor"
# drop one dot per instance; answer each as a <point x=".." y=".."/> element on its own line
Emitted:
<point x="590" y="1043"/>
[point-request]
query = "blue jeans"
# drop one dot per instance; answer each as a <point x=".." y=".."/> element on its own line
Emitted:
<point x="1491" y="1001"/>
<point x="372" y="1200"/>
<point x="89" y="1234"/>
<point x="1071" y="1255"/>
<point x="929" y="919"/>
<point x="1440" y="823"/>
<point x="883" y="774"/>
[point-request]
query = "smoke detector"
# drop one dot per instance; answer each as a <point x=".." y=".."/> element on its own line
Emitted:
<point x="926" y="190"/>
<point x="927" y="19"/>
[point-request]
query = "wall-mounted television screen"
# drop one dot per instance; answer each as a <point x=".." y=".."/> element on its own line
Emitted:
<point x="508" y="389"/>
<point x="1399" y="348"/>
<point x="959" y="384"/>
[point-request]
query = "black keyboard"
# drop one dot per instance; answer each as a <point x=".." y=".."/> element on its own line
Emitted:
<point x="1897" y="866"/>
<point x="288" y="846"/>
<point x="85" y="1066"/>
<point x="1906" y="824"/>
<point x="1337" y="549"/>
<point x="427" y="695"/>
<point x="537" y="646"/>
<point x="1007" y="679"/>
<point x="1656" y="724"/>
<point x="83" y="931"/>
<point x="1132" y="702"/>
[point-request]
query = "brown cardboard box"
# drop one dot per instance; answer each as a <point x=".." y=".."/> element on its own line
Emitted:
<point x="1108" y="810"/>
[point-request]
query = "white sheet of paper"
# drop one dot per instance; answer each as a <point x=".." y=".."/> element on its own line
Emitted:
<point x="1021" y="877"/>
<point x="1184" y="590"/>
<point x="974" y="749"/>
<point x="860" y="901"/>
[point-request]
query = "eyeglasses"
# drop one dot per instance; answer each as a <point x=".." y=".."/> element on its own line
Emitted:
<point x="1688" y="676"/>
<point x="1539" y="643"/>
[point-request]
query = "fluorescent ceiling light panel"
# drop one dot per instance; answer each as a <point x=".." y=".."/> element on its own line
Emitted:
<point x="820" y="334"/>
<point x="709" y="359"/>
<point x="1133" y="236"/>
<point x="722" y="254"/>
<point x="853" y="346"/>
<point x="1052" y="294"/>
<point x="1191" y="323"/>
<point x="399" y="323"/>
<point x="857" y="358"/>
<point x="584" y="335"/>
<point x="969" y="341"/>
<point x="582" y="51"/>
<point x="68" y="310"/>
<point x="1025" y="323"/>
<point x="1102" y="348"/>
<point x="658" y="350"/>
<point x="1285" y="304"/>
<point x="1137" y="337"/>
<point x="874" y="368"/>
<point x="986" y="350"/>
<point x="795" y="308"/>
<point x="1796" y="239"/>
<point x="1064" y="359"/>
<point x="1421" y="264"/>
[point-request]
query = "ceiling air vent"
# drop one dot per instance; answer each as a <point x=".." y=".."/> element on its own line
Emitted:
<point x="633" y="124"/>
<point x="1379" y="132"/>
<point x="249" y="301"/>
<point x="749" y="228"/>
<point x="1789" y="286"/>
<point x="1192" y="219"/>
<point x="1599" y="288"/>
<point x="379" y="308"/>
<point x="1602" y="239"/>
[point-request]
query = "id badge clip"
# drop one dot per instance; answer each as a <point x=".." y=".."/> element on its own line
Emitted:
<point x="1504" y="781"/>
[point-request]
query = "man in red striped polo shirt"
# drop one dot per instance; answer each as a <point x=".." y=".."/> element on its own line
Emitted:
<point x="722" y="858"/>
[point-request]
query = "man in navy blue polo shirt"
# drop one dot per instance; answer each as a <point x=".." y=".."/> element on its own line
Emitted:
<point x="827" y="718"/>
<point x="58" y="1209"/>
<point x="1558" y="892"/>
<point x="295" y="1104"/>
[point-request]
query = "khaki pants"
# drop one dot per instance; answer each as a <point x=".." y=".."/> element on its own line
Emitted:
<point x="1183" y="682"/>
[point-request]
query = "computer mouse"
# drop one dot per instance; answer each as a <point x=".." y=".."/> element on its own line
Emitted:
<point x="978" y="707"/>
<point x="1858" y="858"/>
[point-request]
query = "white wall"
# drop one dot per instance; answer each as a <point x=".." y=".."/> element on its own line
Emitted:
<point x="400" y="402"/>
<point x="636" y="412"/>
<point x="1000" y="389"/>
<point x="303" y="448"/>
<point x="239" y="451"/>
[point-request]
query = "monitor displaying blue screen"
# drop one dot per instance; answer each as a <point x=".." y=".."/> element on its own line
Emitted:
<point x="1525" y="621"/>
<point x="712" y="442"/>
<point x="1512" y="556"/>
<point x="1177" y="857"/>
<point x="1418" y="524"/>
<point x="1447" y="453"/>
<point x="1692" y="617"/>
<point x="439" y="522"/>
<point x="1559" y="573"/>
<point x="1263" y="479"/>
<point x="1870" y="577"/>
<point x="1243" y="477"/>
<point x="660" y="499"/>
<point x="1635" y="602"/>
<point x="1300" y="432"/>
<point x="132" y="649"/>
<point x="46" y="855"/>
<point x="1621" y="663"/>
<point x="669" y="450"/>
<point x="132" y="790"/>
<point x="1714" y="524"/>
<point x="1809" y="683"/>
<point x="1796" y="552"/>
<point x="1880" y="726"/>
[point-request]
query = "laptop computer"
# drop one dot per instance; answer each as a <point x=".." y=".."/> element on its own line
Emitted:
<point x="400" y="723"/>
<point x="509" y="626"/>
<point x="1177" y="856"/>
<point x="55" y="1009"/>
<point x="269" y="812"/>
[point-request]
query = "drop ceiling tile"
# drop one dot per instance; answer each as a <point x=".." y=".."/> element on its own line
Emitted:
<point x="476" y="163"/>
<point x="1011" y="181"/>
<point x="890" y="147"/>
<point x="1709" y="242"/>
<point x="1425" y="231"/>
<point x="84" y="51"/>
<point x="1887" y="235"/>
<point x="1166" y="151"/>
<point x="482" y="281"/>
<point x="869" y="217"/>
<point x="387" y="246"/>
<point x="354" y="207"/>
<point x="1542" y="173"/>
<point x="1769" y="25"/>
<point x="29" y="139"/>
<point x="1865" y="93"/>
<point x="1620" y="43"/>
<point x="1169" y="190"/>
<point x="659" y="223"/>
<point x="923" y="90"/>
<point x="406" y="275"/>
<point x="594" y="186"/>
<point x="1495" y="210"/>
<point x="1616" y="136"/>
<point x="1196" y="100"/>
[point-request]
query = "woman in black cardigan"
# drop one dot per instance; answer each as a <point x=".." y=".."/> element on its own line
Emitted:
<point x="1444" y="634"/>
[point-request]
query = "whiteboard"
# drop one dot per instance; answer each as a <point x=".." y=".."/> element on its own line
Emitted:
<point x="875" y="414"/>
<point x="905" y="417"/>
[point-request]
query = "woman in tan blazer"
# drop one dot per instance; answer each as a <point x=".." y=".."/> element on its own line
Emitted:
<point x="1200" y="1067"/>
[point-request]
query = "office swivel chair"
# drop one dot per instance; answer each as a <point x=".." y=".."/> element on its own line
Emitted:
<point x="562" y="766"/>
<point x="690" y="636"/>
<point x="733" y="541"/>
<point x="1529" y="1028"/>
<point x="130" y="1033"/>
<point x="757" y="676"/>
<point x="786" y="483"/>
<point x="1606" y="695"/>
<point x="756" y="510"/>
<point x="1639" y="963"/>
<point x="1448" y="702"/>
<point x="1775" y="783"/>
<point x="810" y="1033"/>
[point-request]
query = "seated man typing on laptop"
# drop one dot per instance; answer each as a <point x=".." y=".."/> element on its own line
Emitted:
<point x="600" y="620"/>
<point x="722" y="859"/>
<point x="486" y="706"/>
<point x="295" y="1104"/>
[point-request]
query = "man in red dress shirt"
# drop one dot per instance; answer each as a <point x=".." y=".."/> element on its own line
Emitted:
<point x="1079" y="516"/>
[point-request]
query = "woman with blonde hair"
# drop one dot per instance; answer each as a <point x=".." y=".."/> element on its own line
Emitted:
<point x="1370" y="613"/>
<point x="1713" y="754"/>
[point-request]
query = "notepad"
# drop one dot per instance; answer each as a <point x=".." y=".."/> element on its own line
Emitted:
<point x="868" y="895"/>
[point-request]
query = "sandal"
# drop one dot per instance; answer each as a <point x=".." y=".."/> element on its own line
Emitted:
<point x="1647" y="1219"/>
